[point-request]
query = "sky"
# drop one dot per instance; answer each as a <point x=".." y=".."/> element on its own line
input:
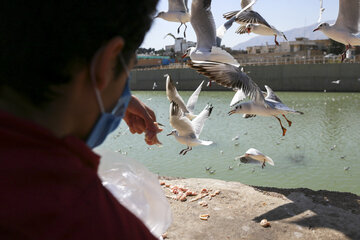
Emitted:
<point x="283" y="14"/>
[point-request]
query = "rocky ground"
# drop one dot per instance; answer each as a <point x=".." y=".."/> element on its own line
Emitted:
<point x="231" y="210"/>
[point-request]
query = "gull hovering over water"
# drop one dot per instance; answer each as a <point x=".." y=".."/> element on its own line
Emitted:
<point x="347" y="26"/>
<point x="173" y="95"/>
<point x="207" y="47"/>
<point x="253" y="155"/>
<point x="271" y="105"/>
<point x="187" y="132"/>
<point x="177" y="12"/>
<point x="232" y="77"/>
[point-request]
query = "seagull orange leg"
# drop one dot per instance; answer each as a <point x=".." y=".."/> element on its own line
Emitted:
<point x="283" y="129"/>
<point x="289" y="122"/>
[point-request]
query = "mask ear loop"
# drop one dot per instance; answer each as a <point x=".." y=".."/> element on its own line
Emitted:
<point x="124" y="65"/>
<point x="93" y="77"/>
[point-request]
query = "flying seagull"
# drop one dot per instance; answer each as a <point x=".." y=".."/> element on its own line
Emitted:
<point x="187" y="132"/>
<point x="253" y="155"/>
<point x="207" y="47"/>
<point x="232" y="77"/>
<point x="177" y="12"/>
<point x="347" y="25"/>
<point x="262" y="30"/>
<point x="271" y="105"/>
<point x="173" y="95"/>
<point x="259" y="24"/>
<point x="220" y="31"/>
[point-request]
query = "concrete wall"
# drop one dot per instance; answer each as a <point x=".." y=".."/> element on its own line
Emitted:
<point x="299" y="77"/>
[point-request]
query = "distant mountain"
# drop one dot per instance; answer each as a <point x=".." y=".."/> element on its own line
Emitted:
<point x="290" y="34"/>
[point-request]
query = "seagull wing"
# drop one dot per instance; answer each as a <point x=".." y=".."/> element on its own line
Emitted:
<point x="193" y="98"/>
<point x="231" y="14"/>
<point x="251" y="17"/>
<point x="177" y="6"/>
<point x="254" y="152"/>
<point x="241" y="29"/>
<point x="229" y="76"/>
<point x="270" y="95"/>
<point x="220" y="31"/>
<point x="186" y="5"/>
<point x="203" y="23"/>
<point x="280" y="106"/>
<point x="198" y="122"/>
<point x="348" y="17"/>
<point x="178" y="121"/>
<point x="173" y="95"/>
<point x="259" y="156"/>
<point x="239" y="96"/>
<point x="245" y="5"/>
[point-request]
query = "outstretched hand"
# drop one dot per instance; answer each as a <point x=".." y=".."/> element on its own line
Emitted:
<point x="140" y="118"/>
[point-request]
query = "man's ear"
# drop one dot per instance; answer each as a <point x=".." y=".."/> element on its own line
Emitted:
<point x="102" y="65"/>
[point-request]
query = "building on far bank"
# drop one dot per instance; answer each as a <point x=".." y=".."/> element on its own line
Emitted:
<point x="301" y="46"/>
<point x="180" y="45"/>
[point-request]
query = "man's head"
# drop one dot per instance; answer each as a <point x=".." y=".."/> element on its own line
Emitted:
<point x="43" y="46"/>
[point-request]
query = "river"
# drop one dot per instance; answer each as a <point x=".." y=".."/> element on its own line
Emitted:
<point x="320" y="150"/>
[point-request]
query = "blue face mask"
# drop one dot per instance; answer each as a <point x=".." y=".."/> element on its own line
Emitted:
<point x="108" y="122"/>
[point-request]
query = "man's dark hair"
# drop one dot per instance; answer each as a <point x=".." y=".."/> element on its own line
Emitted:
<point x="40" y="43"/>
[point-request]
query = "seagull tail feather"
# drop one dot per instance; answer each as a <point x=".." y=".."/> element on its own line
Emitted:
<point x="206" y="143"/>
<point x="270" y="161"/>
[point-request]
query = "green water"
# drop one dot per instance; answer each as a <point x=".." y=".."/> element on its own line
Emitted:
<point x="303" y="158"/>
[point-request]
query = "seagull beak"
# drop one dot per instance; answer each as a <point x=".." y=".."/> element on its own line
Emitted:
<point x="183" y="56"/>
<point x="169" y="134"/>
<point x="248" y="30"/>
<point x="315" y="29"/>
<point x="231" y="112"/>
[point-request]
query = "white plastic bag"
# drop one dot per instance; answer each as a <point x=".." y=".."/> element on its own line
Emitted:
<point x="138" y="190"/>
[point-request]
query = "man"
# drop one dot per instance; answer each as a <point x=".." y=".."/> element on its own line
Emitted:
<point x="64" y="69"/>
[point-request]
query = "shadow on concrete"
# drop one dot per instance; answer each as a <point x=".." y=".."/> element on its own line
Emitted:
<point x="321" y="219"/>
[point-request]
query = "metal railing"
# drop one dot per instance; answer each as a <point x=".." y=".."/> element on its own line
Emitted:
<point x="296" y="60"/>
<point x="268" y="61"/>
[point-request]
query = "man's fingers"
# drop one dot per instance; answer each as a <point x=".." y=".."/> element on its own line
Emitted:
<point x="139" y="125"/>
<point x="151" y="113"/>
<point x="138" y="108"/>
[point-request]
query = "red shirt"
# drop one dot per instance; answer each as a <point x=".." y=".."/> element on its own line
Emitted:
<point x="49" y="189"/>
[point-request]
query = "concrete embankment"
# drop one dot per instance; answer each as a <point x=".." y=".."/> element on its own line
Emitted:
<point x="298" y="77"/>
<point x="231" y="210"/>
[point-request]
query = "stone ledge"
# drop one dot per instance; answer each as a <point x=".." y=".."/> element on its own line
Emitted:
<point x="237" y="211"/>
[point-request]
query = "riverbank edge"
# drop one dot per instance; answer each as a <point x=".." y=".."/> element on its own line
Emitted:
<point x="236" y="212"/>
<point x="298" y="77"/>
